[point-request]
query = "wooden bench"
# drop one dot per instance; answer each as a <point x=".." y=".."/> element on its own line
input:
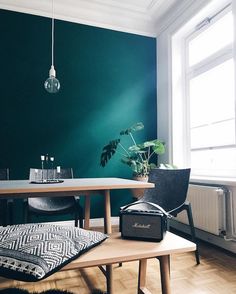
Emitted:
<point x="117" y="250"/>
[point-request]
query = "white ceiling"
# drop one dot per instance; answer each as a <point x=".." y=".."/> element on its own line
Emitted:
<point x="144" y="17"/>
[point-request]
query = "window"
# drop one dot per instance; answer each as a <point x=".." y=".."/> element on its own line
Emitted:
<point x="208" y="98"/>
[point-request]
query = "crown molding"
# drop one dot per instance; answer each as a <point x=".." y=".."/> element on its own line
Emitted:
<point x="143" y="17"/>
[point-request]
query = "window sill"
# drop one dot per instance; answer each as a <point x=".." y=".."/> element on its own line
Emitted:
<point x="213" y="180"/>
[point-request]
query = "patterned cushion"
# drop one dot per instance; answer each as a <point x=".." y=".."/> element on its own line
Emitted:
<point x="32" y="252"/>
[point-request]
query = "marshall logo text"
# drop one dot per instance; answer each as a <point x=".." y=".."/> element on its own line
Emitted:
<point x="141" y="226"/>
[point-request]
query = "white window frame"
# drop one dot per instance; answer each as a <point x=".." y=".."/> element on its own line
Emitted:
<point x="181" y="75"/>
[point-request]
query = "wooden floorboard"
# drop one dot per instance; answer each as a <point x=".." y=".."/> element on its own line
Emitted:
<point x="215" y="275"/>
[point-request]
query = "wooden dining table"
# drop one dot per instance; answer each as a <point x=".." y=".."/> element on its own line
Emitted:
<point x="70" y="187"/>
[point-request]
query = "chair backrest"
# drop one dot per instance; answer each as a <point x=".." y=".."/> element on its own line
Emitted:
<point x="4" y="174"/>
<point x="171" y="186"/>
<point x="36" y="174"/>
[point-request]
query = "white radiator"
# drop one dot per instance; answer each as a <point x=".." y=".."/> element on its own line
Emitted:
<point x="208" y="208"/>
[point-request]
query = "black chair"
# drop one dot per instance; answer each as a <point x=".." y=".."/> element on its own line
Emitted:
<point x="53" y="205"/>
<point x="5" y="204"/>
<point x="4" y="174"/>
<point x="170" y="192"/>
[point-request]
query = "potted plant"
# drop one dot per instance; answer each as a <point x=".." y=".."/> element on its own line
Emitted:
<point x="139" y="156"/>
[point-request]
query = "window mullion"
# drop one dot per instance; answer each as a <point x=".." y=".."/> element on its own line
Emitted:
<point x="210" y="62"/>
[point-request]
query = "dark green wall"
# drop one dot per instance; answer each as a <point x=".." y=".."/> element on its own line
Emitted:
<point x="108" y="82"/>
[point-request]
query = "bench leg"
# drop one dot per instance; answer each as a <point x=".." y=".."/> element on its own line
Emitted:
<point x="109" y="278"/>
<point x="165" y="273"/>
<point x="142" y="276"/>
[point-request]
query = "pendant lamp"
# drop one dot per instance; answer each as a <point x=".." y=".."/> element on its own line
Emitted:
<point x="52" y="85"/>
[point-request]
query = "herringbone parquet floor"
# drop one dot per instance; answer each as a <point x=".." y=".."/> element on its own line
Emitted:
<point x="215" y="275"/>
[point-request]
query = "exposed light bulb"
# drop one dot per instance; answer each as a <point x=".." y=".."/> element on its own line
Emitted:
<point x="52" y="85"/>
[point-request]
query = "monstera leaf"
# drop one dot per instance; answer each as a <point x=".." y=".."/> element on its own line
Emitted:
<point x="108" y="151"/>
<point x="159" y="147"/>
<point x="156" y="145"/>
<point x="134" y="128"/>
<point x="132" y="162"/>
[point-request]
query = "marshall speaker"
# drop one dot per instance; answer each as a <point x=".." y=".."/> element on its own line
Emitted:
<point x="143" y="220"/>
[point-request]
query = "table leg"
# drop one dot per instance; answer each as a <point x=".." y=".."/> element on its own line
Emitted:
<point x="165" y="273"/>
<point x="87" y="212"/>
<point x="109" y="278"/>
<point x="107" y="216"/>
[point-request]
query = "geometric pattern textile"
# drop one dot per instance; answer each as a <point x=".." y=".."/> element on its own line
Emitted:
<point x="32" y="252"/>
<point x="53" y="291"/>
<point x="23" y="291"/>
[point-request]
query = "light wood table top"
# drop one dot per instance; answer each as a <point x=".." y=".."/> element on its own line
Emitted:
<point x="17" y="187"/>
<point x="71" y="187"/>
